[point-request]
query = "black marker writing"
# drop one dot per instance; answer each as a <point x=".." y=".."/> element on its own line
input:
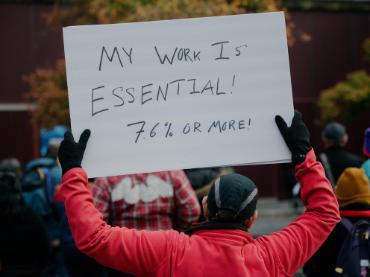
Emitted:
<point x="131" y="94"/>
<point x="222" y="126"/>
<point x="165" y="58"/>
<point x="104" y="53"/>
<point x="208" y="86"/>
<point x="218" y="92"/>
<point x="152" y="131"/>
<point x="129" y="54"/>
<point x="166" y="130"/>
<point x="95" y="100"/>
<point x="118" y="96"/>
<point x="193" y="81"/>
<point x="145" y="92"/>
<point x="238" y="49"/>
<point x="179" y="54"/>
<point x="115" y="53"/>
<point x="161" y="92"/>
<point x="140" y="131"/>
<point x="178" y="84"/>
<point x="221" y="43"/>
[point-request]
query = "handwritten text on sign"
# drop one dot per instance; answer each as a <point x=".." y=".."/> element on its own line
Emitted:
<point x="179" y="94"/>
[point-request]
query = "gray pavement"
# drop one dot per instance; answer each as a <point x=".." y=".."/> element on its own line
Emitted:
<point x="273" y="215"/>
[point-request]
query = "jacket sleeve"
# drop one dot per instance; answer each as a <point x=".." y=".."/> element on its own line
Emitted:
<point x="290" y="248"/>
<point x="127" y="250"/>
<point x="186" y="202"/>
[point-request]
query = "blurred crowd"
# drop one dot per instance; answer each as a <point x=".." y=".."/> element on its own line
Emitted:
<point x="35" y="238"/>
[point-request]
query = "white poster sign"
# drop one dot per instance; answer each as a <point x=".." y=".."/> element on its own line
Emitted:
<point x="178" y="94"/>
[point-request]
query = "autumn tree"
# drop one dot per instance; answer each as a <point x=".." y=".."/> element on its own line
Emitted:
<point x="349" y="98"/>
<point x="48" y="86"/>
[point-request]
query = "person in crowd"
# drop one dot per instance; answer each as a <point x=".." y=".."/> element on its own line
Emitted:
<point x="366" y="146"/>
<point x="366" y="152"/>
<point x="152" y="201"/>
<point x="221" y="246"/>
<point x="39" y="181"/>
<point x="76" y="263"/>
<point x="201" y="179"/>
<point x="366" y="167"/>
<point x="353" y="194"/>
<point x="71" y="262"/>
<point x="14" y="166"/>
<point x="335" y="158"/>
<point x="24" y="244"/>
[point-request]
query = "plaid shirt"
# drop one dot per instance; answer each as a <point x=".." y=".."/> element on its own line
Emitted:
<point x="152" y="201"/>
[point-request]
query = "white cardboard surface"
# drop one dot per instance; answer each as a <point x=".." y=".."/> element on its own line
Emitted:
<point x="118" y="84"/>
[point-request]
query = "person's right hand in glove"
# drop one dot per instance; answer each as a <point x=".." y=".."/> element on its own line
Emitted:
<point x="297" y="137"/>
<point x="70" y="153"/>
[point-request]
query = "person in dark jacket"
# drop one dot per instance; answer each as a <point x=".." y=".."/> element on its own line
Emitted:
<point x="366" y="153"/>
<point x="24" y="244"/>
<point x="353" y="194"/>
<point x="366" y="146"/>
<point x="336" y="159"/>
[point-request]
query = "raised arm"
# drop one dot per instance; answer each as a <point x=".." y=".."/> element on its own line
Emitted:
<point x="132" y="251"/>
<point x="298" y="242"/>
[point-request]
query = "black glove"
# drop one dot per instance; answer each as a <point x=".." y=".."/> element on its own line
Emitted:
<point x="297" y="136"/>
<point x="71" y="153"/>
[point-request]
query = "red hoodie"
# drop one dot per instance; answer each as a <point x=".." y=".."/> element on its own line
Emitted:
<point x="206" y="252"/>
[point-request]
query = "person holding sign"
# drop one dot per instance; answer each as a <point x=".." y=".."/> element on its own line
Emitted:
<point x="221" y="246"/>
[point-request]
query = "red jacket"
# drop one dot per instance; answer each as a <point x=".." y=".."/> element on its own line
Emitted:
<point x="206" y="252"/>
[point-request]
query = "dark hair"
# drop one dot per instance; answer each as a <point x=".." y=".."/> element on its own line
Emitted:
<point x="225" y="215"/>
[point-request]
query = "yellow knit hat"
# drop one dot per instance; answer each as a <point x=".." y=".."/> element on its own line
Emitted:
<point x="353" y="187"/>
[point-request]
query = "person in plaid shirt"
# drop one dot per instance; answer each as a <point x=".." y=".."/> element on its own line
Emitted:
<point x="152" y="201"/>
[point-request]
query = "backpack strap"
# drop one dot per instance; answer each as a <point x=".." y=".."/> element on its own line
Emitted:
<point x="348" y="224"/>
<point x="325" y="162"/>
<point x="47" y="184"/>
<point x="339" y="264"/>
<point x="357" y="233"/>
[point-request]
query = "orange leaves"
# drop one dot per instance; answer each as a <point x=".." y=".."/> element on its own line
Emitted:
<point x="48" y="87"/>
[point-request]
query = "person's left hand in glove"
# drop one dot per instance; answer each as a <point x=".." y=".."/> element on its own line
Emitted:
<point x="70" y="153"/>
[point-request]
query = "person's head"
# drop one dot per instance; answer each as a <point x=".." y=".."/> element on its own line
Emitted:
<point x="366" y="147"/>
<point x="53" y="147"/>
<point x="10" y="193"/>
<point x="334" y="134"/>
<point x="353" y="187"/>
<point x="232" y="198"/>
<point x="10" y="169"/>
